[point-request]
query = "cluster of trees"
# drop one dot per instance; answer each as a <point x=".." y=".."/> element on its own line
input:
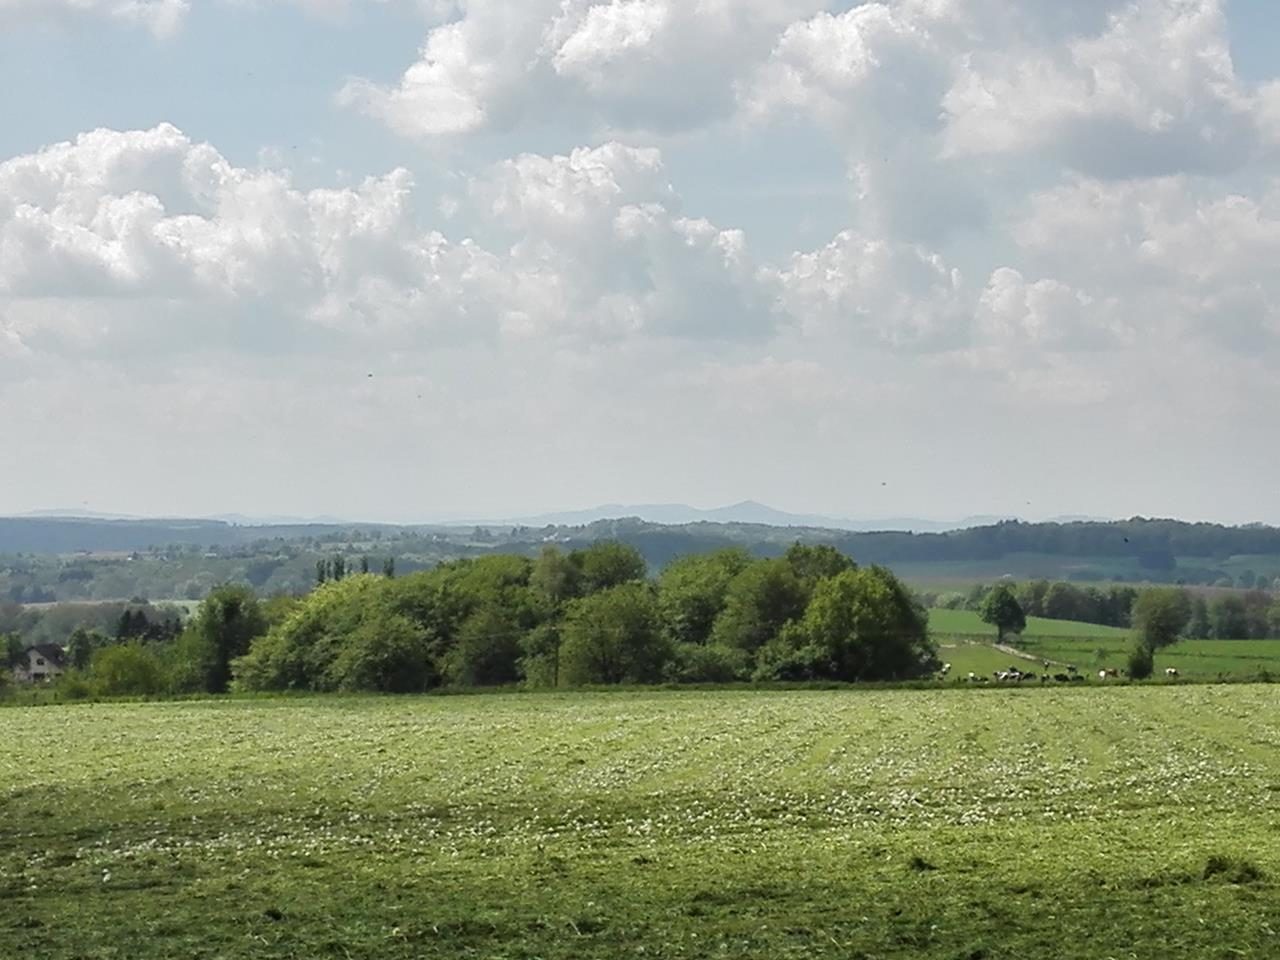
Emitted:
<point x="1163" y="615"/>
<point x="151" y="651"/>
<point x="1110" y="607"/>
<point x="1247" y="615"/>
<point x="591" y="616"/>
<point x="337" y="568"/>
<point x="1252" y="615"/>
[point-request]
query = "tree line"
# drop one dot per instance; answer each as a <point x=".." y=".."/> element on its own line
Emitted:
<point x="592" y="616"/>
<point x="1237" y="615"/>
<point x="565" y="618"/>
<point x="1155" y="543"/>
<point x="1109" y="606"/>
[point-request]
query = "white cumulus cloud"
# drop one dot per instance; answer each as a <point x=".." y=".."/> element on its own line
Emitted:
<point x="126" y="236"/>
<point x="618" y="64"/>
<point x="1154" y="92"/>
<point x="878" y="292"/>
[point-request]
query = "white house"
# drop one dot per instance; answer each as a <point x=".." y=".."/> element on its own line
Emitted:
<point x="43" y="663"/>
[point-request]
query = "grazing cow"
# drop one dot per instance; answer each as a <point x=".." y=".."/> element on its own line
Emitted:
<point x="1045" y="664"/>
<point x="1077" y="678"/>
<point x="972" y="677"/>
<point x="1062" y="678"/>
<point x="1071" y="668"/>
<point x="1102" y="674"/>
<point x="1171" y="672"/>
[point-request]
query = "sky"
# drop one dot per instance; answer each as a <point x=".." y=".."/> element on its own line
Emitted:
<point x="415" y="259"/>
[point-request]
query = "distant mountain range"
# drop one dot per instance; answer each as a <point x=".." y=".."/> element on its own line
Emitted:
<point x="235" y="519"/>
<point x="750" y="511"/>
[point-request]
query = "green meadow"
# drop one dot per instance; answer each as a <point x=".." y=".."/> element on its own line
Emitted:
<point x="968" y="623"/>
<point x="1067" y="822"/>
<point x="968" y="645"/>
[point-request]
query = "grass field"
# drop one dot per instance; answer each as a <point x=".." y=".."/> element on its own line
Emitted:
<point x="978" y="823"/>
<point x="968" y="623"/>
<point x="960" y="635"/>
<point x="1195" y="659"/>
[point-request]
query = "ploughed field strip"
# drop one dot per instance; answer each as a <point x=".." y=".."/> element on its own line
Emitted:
<point x="1063" y="822"/>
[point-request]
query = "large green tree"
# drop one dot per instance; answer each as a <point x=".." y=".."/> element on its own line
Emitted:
<point x="1001" y="609"/>
<point x="692" y="591"/>
<point x="1160" y="614"/>
<point x="224" y="627"/>
<point x="862" y="624"/>
<point x="80" y="647"/>
<point x="14" y="650"/>
<point x="812" y="563"/>
<point x="1031" y="595"/>
<point x="758" y="602"/>
<point x="555" y="578"/>
<point x="1229" y="617"/>
<point x="1062" y="601"/>
<point x="607" y="564"/>
<point x="614" y="636"/>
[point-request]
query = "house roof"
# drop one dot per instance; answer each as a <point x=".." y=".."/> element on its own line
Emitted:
<point x="50" y="651"/>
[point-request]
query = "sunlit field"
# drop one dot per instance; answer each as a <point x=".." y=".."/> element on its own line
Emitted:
<point x="967" y="644"/>
<point x="1193" y="659"/>
<point x="942" y="622"/>
<point x="953" y="823"/>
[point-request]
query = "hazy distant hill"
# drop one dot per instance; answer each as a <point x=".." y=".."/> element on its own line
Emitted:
<point x="85" y="534"/>
<point x="748" y="511"/>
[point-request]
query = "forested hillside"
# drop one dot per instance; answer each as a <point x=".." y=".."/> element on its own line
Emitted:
<point x="46" y="560"/>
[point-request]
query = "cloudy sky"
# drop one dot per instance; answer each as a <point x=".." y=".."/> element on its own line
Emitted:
<point x="404" y="259"/>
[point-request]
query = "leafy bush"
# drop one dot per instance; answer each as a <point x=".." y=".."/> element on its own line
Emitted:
<point x="486" y="651"/>
<point x="387" y="653"/>
<point x="540" y="656"/>
<point x="128" y="670"/>
<point x="792" y="658"/>
<point x="74" y="685"/>
<point x="694" y="663"/>
<point x="1141" y="662"/>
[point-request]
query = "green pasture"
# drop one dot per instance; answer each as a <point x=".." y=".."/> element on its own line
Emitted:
<point x="1195" y="659"/>
<point x="974" y="656"/>
<point x="959" y="823"/>
<point x="965" y="642"/>
<point x="968" y="623"/>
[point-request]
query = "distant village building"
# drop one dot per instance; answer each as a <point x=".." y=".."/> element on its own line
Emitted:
<point x="41" y="664"/>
